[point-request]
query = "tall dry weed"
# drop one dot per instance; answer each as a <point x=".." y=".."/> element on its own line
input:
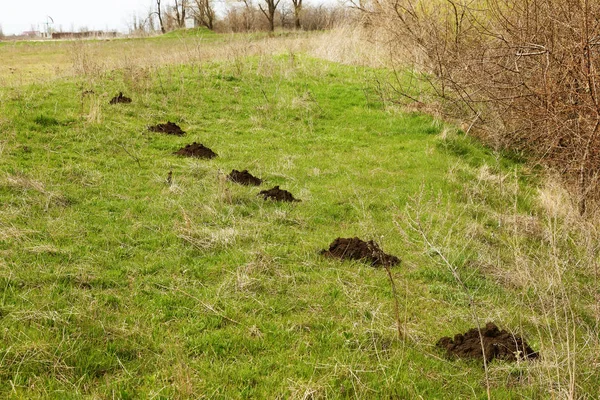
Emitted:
<point x="351" y="45"/>
<point x="85" y="61"/>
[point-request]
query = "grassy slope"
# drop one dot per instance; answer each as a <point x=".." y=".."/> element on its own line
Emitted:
<point x="114" y="283"/>
<point x="25" y="62"/>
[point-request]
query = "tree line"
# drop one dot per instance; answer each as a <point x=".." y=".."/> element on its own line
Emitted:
<point x="238" y="15"/>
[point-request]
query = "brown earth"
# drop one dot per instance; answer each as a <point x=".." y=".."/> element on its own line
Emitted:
<point x="497" y="344"/>
<point x="170" y="128"/>
<point x="356" y="249"/>
<point x="277" y="194"/>
<point x="196" y="150"/>
<point x="120" y="99"/>
<point x="244" y="178"/>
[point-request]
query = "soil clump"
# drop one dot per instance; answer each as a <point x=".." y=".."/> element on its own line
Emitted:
<point x="120" y="99"/>
<point x="497" y="344"/>
<point x="196" y="150"/>
<point x="170" y="128"/>
<point x="278" y="195"/>
<point x="356" y="249"/>
<point x="244" y="178"/>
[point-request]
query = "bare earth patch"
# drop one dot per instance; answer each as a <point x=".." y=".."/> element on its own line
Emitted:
<point x="277" y="195"/>
<point x="356" y="249"/>
<point x="497" y="344"/>
<point x="120" y="99"/>
<point x="170" y="128"/>
<point x="196" y="150"/>
<point x="244" y="178"/>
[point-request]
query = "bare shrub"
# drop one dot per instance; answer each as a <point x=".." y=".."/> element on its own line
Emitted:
<point x="85" y="61"/>
<point x="242" y="16"/>
<point x="321" y="17"/>
<point x="204" y="13"/>
<point x="523" y="75"/>
<point x="349" y="44"/>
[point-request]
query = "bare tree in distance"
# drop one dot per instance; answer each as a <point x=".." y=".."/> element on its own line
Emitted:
<point x="180" y="11"/>
<point x="270" y="12"/>
<point x="149" y="21"/>
<point x="135" y="23"/>
<point x="297" y="10"/>
<point x="138" y="25"/>
<point x="248" y="15"/>
<point x="205" y="13"/>
<point x="286" y="15"/>
<point x="159" y="13"/>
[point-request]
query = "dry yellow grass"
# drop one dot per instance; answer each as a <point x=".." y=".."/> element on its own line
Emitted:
<point x="34" y="62"/>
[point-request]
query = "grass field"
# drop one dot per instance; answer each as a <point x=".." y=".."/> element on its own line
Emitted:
<point x="115" y="283"/>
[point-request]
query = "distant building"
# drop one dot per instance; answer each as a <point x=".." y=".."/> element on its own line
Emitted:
<point x="83" y="35"/>
<point x="31" y="34"/>
<point x="191" y="23"/>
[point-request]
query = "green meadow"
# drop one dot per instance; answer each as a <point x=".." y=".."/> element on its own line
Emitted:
<point x="116" y="282"/>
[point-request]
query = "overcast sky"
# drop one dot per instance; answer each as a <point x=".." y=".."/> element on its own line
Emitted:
<point x="17" y="16"/>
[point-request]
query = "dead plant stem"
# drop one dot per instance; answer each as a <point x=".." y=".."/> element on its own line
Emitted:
<point x="396" y="305"/>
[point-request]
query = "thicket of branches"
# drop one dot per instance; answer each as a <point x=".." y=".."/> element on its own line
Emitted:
<point x="523" y="74"/>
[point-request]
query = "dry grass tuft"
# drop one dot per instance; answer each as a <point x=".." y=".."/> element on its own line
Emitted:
<point x="12" y="233"/>
<point x="555" y="199"/>
<point x="94" y="114"/>
<point x="352" y="46"/>
<point x="44" y="249"/>
<point x="209" y="239"/>
<point x="22" y="182"/>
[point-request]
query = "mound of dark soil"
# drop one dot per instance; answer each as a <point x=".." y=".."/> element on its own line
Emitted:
<point x="170" y="128"/>
<point x="196" y="150"/>
<point x="120" y="99"/>
<point x="277" y="194"/>
<point x="356" y="249"/>
<point x="244" y="178"/>
<point x="497" y="344"/>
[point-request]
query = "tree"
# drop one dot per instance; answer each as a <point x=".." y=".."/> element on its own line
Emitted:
<point x="205" y="13"/>
<point x="136" y="25"/>
<point x="297" y="10"/>
<point x="270" y="12"/>
<point x="249" y="15"/>
<point x="160" y="20"/>
<point x="180" y="11"/>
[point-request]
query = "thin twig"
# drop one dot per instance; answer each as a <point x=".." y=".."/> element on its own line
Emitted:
<point x="473" y="123"/>
<point x="396" y="305"/>
<point x="137" y="160"/>
<point x="205" y="305"/>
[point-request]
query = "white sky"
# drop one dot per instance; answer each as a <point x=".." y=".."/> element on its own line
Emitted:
<point x="17" y="16"/>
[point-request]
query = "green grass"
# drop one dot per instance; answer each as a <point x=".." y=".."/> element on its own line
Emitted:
<point x="114" y="284"/>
